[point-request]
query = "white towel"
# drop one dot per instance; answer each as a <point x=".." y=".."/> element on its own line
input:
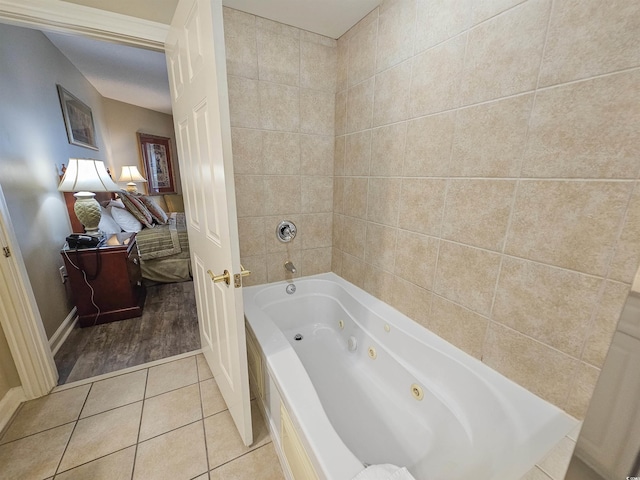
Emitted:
<point x="384" y="472"/>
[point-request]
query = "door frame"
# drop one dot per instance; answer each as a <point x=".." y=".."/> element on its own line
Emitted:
<point x="23" y="327"/>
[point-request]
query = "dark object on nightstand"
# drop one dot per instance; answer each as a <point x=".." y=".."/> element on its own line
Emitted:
<point x="112" y="270"/>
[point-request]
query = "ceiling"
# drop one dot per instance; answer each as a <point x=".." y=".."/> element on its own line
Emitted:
<point x="139" y="77"/>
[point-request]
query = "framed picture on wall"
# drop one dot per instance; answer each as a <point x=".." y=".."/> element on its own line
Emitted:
<point x="156" y="158"/>
<point x="78" y="120"/>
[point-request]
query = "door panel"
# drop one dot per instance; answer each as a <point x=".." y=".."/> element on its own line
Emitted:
<point x="197" y="64"/>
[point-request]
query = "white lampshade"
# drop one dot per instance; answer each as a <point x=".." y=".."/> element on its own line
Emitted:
<point x="85" y="175"/>
<point x="131" y="175"/>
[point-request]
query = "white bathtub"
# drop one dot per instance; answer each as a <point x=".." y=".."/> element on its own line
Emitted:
<point x="350" y="409"/>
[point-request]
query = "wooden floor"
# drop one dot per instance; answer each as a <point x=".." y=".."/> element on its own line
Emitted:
<point x="168" y="326"/>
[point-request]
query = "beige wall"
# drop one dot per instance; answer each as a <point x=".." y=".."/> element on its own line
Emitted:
<point x="486" y="177"/>
<point x="123" y="122"/>
<point x="33" y="145"/>
<point x="281" y="93"/>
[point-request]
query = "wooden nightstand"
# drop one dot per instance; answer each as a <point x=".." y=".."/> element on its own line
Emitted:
<point x="113" y="271"/>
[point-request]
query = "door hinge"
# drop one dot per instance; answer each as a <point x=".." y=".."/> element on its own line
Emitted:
<point x="6" y="252"/>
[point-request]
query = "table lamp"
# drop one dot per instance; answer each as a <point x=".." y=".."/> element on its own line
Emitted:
<point x="86" y="176"/>
<point x="131" y="175"/>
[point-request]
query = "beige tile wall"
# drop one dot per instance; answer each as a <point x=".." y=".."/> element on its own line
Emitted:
<point x="282" y="84"/>
<point x="486" y="177"/>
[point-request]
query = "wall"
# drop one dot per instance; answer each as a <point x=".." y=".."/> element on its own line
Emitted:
<point x="281" y="95"/>
<point x="8" y="374"/>
<point x="33" y="144"/>
<point x="123" y="122"/>
<point x="486" y="177"/>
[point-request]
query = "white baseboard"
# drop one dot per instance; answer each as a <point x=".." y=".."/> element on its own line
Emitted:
<point x="9" y="404"/>
<point x="63" y="331"/>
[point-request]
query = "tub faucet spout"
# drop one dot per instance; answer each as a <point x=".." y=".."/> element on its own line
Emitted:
<point x="289" y="266"/>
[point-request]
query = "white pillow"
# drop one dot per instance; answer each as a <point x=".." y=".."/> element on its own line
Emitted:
<point x="127" y="222"/>
<point x="116" y="203"/>
<point x="107" y="224"/>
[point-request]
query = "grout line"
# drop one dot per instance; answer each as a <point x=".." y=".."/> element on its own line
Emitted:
<point x="242" y="455"/>
<point x="202" y="417"/>
<point x="144" y="394"/>
<point x="72" y="431"/>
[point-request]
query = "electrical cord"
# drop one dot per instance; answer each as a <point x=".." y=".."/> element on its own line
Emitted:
<point x="84" y="275"/>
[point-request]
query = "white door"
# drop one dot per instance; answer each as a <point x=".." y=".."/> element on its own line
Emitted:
<point x="198" y="80"/>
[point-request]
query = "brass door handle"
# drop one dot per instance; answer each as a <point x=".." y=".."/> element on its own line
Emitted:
<point x="225" y="277"/>
<point x="244" y="272"/>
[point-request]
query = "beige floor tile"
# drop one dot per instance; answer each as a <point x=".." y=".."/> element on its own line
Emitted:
<point x="262" y="463"/>
<point x="102" y="434"/>
<point x="223" y="441"/>
<point x="202" y="477"/>
<point x="169" y="411"/>
<point x="171" y="376"/>
<point x="34" y="457"/>
<point x="177" y="455"/>
<point x="47" y="412"/>
<point x="204" y="372"/>
<point x="117" y="466"/>
<point x="212" y="401"/>
<point x="115" y="392"/>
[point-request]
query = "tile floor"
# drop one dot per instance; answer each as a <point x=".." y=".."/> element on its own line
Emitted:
<point x="167" y="421"/>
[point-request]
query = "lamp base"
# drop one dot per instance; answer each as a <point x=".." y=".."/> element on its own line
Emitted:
<point x="87" y="209"/>
<point x="132" y="187"/>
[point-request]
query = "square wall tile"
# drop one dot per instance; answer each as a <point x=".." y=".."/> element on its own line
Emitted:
<point x="46" y="412"/>
<point x="316" y="231"/>
<point x="244" y="102"/>
<point x="316" y="154"/>
<point x="336" y="261"/>
<point x="429" y="141"/>
<point x="477" y="212"/>
<point x="541" y="369"/>
<point x="338" y="195"/>
<point x="282" y="194"/>
<point x="246" y="145"/>
<point x="391" y="95"/>
<point x="485" y="9"/>
<point x="275" y="266"/>
<point x="360" y="106"/>
<point x="342" y="63"/>
<point x="586" y="129"/>
<point x="437" y="74"/>
<point x="581" y="391"/>
<point x="490" y="138"/>
<point x="379" y="283"/>
<point x="413" y="301"/>
<point x="504" y="53"/>
<point x="353" y="270"/>
<point x="317" y="260"/>
<point x="281" y="153"/>
<point x="572" y="53"/>
<point x="384" y="200"/>
<point x="339" y="153"/>
<point x="457" y="325"/>
<point x="601" y="330"/>
<point x="354" y="233"/>
<point x="277" y="27"/>
<point x="550" y="304"/>
<point x="251" y="233"/>
<point x="569" y="224"/>
<point x="318" y="65"/>
<point x="317" y="194"/>
<point x="387" y="150"/>
<point x="358" y="154"/>
<point x="380" y="246"/>
<point x="240" y="43"/>
<point x="279" y="107"/>
<point x="439" y="20"/>
<point x="272" y="242"/>
<point x="341" y="113"/>
<point x="396" y="32"/>
<point x="249" y="195"/>
<point x="258" y="267"/>
<point x="317" y="112"/>
<point x="278" y="58"/>
<point x="467" y="276"/>
<point x="362" y="53"/>
<point x="421" y="203"/>
<point x="415" y="258"/>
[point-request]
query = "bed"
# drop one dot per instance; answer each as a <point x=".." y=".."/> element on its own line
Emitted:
<point x="160" y="226"/>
